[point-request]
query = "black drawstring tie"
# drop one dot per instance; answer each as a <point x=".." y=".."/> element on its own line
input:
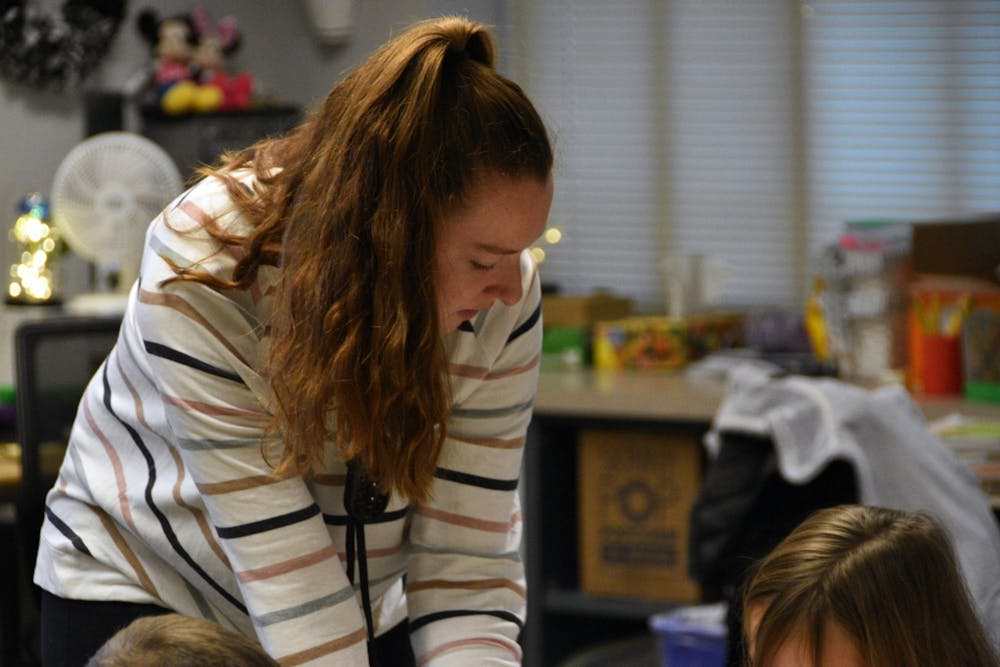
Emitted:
<point x="364" y="503"/>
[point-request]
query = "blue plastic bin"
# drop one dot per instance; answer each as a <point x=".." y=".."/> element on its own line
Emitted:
<point x="692" y="636"/>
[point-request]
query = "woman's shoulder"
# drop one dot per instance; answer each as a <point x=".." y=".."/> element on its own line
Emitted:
<point x="207" y="206"/>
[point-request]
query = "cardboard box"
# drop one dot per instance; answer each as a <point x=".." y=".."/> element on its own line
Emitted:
<point x="969" y="247"/>
<point x="661" y="342"/>
<point x="582" y="311"/>
<point x="635" y="494"/>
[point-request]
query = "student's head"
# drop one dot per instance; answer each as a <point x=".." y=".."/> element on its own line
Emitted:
<point x="172" y="640"/>
<point x="857" y="586"/>
<point x="397" y="210"/>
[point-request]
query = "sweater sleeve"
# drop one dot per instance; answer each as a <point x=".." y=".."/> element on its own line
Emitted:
<point x="200" y="348"/>
<point x="466" y="586"/>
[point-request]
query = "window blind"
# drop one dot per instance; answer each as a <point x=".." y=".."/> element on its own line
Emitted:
<point x="591" y="68"/>
<point x="672" y="128"/>
<point x="750" y="130"/>
<point x="732" y="118"/>
<point x="903" y="110"/>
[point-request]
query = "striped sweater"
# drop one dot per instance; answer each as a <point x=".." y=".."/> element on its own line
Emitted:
<point x="165" y="495"/>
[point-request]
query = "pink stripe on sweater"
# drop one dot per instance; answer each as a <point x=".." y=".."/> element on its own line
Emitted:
<point x="468" y="521"/>
<point x="116" y="465"/>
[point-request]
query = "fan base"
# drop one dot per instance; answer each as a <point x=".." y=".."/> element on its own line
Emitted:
<point x="98" y="303"/>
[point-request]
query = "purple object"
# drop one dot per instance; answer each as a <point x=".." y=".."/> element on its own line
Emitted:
<point x="692" y="636"/>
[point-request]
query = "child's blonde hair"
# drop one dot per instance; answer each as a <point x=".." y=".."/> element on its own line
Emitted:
<point x="888" y="578"/>
<point x="172" y="640"/>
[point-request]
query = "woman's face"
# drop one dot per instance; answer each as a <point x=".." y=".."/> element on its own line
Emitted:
<point x="477" y="259"/>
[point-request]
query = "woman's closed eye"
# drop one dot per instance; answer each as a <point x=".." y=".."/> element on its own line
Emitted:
<point x="482" y="267"/>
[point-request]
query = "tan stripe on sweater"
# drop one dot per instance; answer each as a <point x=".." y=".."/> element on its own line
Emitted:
<point x="329" y="480"/>
<point x="209" y="409"/>
<point x="464" y="520"/>
<point x="292" y="659"/>
<point x="514" y="649"/>
<point x="126" y="551"/>
<point x="493" y="443"/>
<point x="199" y="516"/>
<point x="467" y="371"/>
<point x="286" y="566"/>
<point x="375" y="553"/>
<point x="474" y="585"/>
<point x="483" y="373"/>
<point x="183" y="307"/>
<point x="198" y="214"/>
<point x="243" y="483"/>
<point x="517" y="370"/>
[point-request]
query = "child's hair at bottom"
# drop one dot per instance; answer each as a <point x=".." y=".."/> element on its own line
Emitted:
<point x="172" y="640"/>
<point x="888" y="578"/>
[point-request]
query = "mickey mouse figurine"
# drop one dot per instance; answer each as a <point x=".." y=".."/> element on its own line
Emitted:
<point x="215" y="42"/>
<point x="172" y="40"/>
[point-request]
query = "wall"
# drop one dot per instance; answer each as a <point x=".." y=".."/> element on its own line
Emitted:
<point x="38" y="129"/>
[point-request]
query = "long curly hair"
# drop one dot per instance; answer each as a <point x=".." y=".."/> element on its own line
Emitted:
<point x="348" y="205"/>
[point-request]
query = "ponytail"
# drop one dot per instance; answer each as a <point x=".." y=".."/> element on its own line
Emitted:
<point x="351" y="214"/>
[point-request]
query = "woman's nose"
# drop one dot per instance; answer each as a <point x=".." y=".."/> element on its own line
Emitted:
<point x="507" y="288"/>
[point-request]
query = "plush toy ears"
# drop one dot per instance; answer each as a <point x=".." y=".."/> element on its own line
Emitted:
<point x="148" y="23"/>
<point x="227" y="31"/>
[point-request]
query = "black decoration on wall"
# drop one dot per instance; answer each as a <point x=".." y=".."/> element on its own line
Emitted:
<point x="56" y="52"/>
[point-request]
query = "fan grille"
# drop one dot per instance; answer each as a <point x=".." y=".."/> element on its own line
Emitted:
<point x="107" y="190"/>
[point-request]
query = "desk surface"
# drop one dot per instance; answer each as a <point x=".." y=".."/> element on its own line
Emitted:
<point x="657" y="395"/>
<point x="670" y="396"/>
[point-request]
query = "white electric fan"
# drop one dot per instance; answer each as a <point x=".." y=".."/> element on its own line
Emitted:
<point x="105" y="193"/>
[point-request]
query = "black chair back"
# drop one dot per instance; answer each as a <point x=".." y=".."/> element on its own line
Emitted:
<point x="55" y="358"/>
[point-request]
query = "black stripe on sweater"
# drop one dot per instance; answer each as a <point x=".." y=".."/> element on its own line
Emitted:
<point x="270" y="523"/>
<point x="421" y="621"/>
<point x="341" y="519"/>
<point x="165" y="526"/>
<point x="66" y="530"/>
<point x="160" y="350"/>
<point x="527" y="325"/>
<point x="476" y="480"/>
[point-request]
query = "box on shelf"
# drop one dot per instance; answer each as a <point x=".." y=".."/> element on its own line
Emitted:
<point x="661" y="342"/>
<point x="635" y="494"/>
<point x="582" y="311"/>
<point x="967" y="246"/>
<point x="568" y="322"/>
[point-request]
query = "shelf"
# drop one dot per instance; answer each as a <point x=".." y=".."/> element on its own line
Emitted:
<point x="573" y="602"/>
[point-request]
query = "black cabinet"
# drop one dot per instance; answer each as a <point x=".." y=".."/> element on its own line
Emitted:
<point x="563" y="620"/>
<point x="196" y="139"/>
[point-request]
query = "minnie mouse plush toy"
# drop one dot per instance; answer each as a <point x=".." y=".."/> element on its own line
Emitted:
<point x="215" y="42"/>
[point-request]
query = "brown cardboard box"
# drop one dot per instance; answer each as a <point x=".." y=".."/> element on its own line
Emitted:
<point x="581" y="311"/>
<point x="964" y="246"/>
<point x="636" y="491"/>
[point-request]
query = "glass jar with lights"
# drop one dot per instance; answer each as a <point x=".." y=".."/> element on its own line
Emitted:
<point x="33" y="274"/>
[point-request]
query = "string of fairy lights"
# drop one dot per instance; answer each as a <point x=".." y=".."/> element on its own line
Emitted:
<point x="31" y="277"/>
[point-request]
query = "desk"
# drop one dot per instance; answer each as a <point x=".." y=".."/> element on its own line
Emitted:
<point x="10" y="466"/>
<point x="561" y="619"/>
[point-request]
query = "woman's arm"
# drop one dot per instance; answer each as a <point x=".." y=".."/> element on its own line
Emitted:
<point x="202" y="349"/>
<point x="465" y="586"/>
